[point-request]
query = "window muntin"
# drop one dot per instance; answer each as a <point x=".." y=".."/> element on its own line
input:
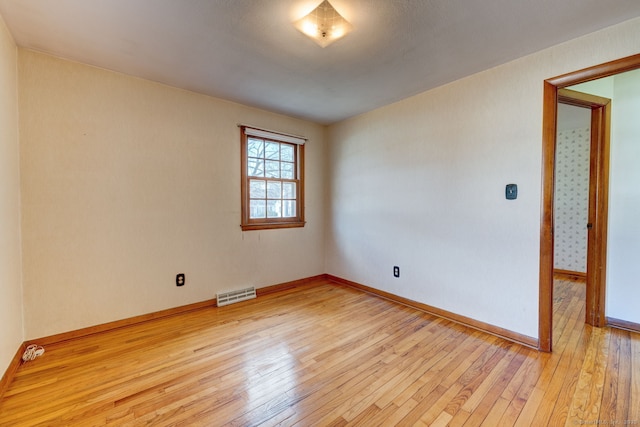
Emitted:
<point x="272" y="183"/>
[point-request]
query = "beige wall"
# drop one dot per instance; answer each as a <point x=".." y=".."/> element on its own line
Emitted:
<point x="126" y="183"/>
<point x="623" y="246"/>
<point x="11" y="325"/>
<point x="420" y="184"/>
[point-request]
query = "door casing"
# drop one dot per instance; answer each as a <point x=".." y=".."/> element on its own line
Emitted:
<point x="595" y="296"/>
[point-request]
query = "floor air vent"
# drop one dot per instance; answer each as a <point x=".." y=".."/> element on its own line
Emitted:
<point x="226" y="298"/>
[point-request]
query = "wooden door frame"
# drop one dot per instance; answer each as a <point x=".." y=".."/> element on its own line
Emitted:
<point x="549" y="127"/>
<point x="598" y="199"/>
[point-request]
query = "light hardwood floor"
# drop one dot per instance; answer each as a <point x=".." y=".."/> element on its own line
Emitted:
<point x="321" y="355"/>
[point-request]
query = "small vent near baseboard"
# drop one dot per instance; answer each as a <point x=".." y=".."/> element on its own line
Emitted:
<point x="226" y="298"/>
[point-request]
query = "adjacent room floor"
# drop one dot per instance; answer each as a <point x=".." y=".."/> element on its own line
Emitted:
<point x="323" y="354"/>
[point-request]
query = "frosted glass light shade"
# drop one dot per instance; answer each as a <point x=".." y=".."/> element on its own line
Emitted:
<point x="324" y="24"/>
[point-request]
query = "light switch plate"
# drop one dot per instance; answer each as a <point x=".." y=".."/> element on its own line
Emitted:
<point x="511" y="191"/>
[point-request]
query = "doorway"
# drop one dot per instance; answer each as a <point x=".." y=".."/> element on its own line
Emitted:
<point x="571" y="198"/>
<point x="597" y="232"/>
<point x="593" y="221"/>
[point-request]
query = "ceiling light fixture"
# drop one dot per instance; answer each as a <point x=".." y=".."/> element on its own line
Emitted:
<point x="324" y="24"/>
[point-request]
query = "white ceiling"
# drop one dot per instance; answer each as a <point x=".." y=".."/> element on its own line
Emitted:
<point x="248" y="50"/>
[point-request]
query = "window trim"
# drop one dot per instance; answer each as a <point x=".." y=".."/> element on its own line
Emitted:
<point x="248" y="223"/>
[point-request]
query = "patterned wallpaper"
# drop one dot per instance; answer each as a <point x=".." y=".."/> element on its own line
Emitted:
<point x="572" y="199"/>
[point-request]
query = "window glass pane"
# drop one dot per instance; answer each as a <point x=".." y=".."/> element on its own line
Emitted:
<point x="286" y="153"/>
<point x="272" y="173"/>
<point x="255" y="147"/>
<point x="255" y="167"/>
<point x="274" y="190"/>
<point x="257" y="189"/>
<point x="274" y="208"/>
<point x="258" y="209"/>
<point x="272" y="150"/>
<point x="287" y="171"/>
<point x="272" y="169"/>
<point x="288" y="190"/>
<point x="288" y="208"/>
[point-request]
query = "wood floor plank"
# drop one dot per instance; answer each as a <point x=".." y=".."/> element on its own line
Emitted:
<point x="491" y="373"/>
<point x="491" y="405"/>
<point x="321" y="354"/>
<point x="580" y="411"/>
<point x="495" y="414"/>
<point x="613" y="382"/>
<point x="528" y="413"/>
<point x="459" y="419"/>
<point x="619" y="377"/>
<point x="562" y="384"/>
<point x="565" y="382"/>
<point x="394" y="418"/>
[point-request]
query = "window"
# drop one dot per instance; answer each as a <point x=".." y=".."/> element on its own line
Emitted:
<point x="272" y="180"/>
